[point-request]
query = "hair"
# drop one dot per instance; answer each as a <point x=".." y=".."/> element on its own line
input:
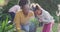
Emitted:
<point x="23" y="2"/>
<point x="36" y="8"/>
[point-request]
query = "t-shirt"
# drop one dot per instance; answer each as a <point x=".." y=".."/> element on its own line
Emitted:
<point x="14" y="9"/>
<point x="21" y="19"/>
<point x="45" y="17"/>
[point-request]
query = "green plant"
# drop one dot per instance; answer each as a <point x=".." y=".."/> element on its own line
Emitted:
<point x="35" y="21"/>
<point x="4" y="26"/>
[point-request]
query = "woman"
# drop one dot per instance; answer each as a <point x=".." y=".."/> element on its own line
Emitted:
<point x="45" y="17"/>
<point x="22" y="17"/>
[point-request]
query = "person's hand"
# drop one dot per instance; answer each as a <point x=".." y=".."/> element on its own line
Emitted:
<point x="53" y="22"/>
<point x="40" y="20"/>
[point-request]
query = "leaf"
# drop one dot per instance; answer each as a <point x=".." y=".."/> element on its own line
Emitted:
<point x="3" y="24"/>
<point x="34" y="20"/>
<point x="6" y="20"/>
<point x="9" y="27"/>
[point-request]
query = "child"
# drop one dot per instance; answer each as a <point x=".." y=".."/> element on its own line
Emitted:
<point x="13" y="10"/>
<point x="45" y="17"/>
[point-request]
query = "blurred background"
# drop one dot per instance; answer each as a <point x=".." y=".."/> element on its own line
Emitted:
<point x="50" y="5"/>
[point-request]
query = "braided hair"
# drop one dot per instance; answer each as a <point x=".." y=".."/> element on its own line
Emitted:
<point x="23" y="2"/>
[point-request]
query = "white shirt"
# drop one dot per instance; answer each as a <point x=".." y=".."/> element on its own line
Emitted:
<point x="45" y="17"/>
<point x="14" y="9"/>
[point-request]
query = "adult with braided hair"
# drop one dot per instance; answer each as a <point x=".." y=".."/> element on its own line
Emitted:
<point x="22" y="17"/>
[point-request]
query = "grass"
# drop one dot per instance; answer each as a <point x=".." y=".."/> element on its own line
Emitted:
<point x="39" y="29"/>
<point x="55" y="27"/>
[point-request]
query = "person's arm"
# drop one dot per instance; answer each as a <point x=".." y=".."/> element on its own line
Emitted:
<point x="17" y="22"/>
<point x="14" y="9"/>
<point x="31" y="14"/>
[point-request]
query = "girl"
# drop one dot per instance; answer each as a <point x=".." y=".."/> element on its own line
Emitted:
<point x="45" y="17"/>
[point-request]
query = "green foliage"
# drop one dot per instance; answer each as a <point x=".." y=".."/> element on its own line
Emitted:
<point x="50" y="6"/>
<point x="4" y="10"/>
<point x="5" y="17"/>
<point x="35" y="21"/>
<point x="4" y="26"/>
<point x="9" y="5"/>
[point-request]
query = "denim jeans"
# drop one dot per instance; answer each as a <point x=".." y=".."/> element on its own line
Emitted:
<point x="29" y="28"/>
<point x="12" y="15"/>
<point x="25" y="28"/>
<point x="32" y="27"/>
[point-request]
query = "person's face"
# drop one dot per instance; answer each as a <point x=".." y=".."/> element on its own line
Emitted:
<point x="38" y="12"/>
<point x="26" y="9"/>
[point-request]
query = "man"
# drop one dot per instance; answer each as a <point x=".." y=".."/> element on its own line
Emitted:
<point x="22" y="17"/>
